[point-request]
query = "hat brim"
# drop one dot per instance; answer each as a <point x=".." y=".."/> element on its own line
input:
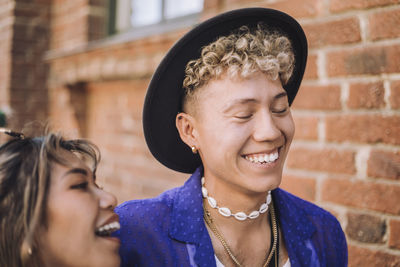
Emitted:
<point x="164" y="95"/>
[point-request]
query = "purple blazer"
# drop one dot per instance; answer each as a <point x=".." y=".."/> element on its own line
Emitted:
<point x="169" y="230"/>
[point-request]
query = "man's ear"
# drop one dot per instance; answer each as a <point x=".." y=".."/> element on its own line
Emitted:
<point x="185" y="124"/>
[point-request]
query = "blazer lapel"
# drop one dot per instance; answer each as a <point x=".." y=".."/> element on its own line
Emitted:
<point x="296" y="227"/>
<point x="187" y="224"/>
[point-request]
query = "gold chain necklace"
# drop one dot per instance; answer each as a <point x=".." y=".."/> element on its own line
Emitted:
<point x="208" y="219"/>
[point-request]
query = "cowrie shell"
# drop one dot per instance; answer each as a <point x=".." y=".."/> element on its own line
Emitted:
<point x="263" y="208"/>
<point x="204" y="192"/>
<point x="241" y="216"/>
<point x="254" y="214"/>
<point x="225" y="211"/>
<point x="212" y="202"/>
<point x="268" y="199"/>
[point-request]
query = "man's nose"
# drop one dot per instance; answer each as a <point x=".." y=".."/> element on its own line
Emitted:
<point x="266" y="128"/>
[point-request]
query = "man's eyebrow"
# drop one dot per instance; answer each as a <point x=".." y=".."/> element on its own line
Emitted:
<point x="76" y="171"/>
<point x="283" y="94"/>
<point x="238" y="102"/>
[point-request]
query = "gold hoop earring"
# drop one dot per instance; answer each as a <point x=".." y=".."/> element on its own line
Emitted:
<point x="194" y="150"/>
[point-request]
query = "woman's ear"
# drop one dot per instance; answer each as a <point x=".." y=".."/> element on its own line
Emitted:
<point x="185" y="124"/>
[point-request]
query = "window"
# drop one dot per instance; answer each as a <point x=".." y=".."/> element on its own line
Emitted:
<point x="136" y="14"/>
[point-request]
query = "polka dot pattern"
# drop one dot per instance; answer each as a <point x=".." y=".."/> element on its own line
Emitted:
<point x="169" y="230"/>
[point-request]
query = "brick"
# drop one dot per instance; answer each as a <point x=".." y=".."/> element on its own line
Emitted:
<point x="366" y="60"/>
<point x="28" y="11"/>
<point x="318" y="97"/>
<point x="365" y="257"/>
<point x="363" y="128"/>
<point x="325" y="160"/>
<point x="394" y="238"/>
<point x="366" y="195"/>
<point x="306" y="127"/>
<point x="210" y="4"/>
<point x="343" y="5"/>
<point x="384" y="24"/>
<point x="311" y="72"/>
<point x="395" y="95"/>
<point x="366" y="95"/>
<point x="334" y="32"/>
<point x="384" y="164"/>
<point x="229" y="2"/>
<point x="97" y="27"/>
<point x="365" y="228"/>
<point x="101" y="3"/>
<point x="300" y="186"/>
<point x="308" y="8"/>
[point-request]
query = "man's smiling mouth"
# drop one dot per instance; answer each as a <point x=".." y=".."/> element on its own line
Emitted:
<point x="263" y="157"/>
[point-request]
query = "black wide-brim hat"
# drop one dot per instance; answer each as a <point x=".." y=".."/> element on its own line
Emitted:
<point x="164" y="95"/>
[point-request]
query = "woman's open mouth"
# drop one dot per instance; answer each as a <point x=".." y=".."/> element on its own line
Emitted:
<point x="107" y="229"/>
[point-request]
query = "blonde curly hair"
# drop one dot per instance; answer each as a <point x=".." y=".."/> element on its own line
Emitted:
<point x="239" y="55"/>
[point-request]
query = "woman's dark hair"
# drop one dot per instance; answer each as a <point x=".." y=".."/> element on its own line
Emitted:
<point x="25" y="173"/>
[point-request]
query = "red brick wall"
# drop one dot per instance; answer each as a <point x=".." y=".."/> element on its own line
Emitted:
<point x="99" y="94"/>
<point x="346" y="153"/>
<point x="76" y="22"/>
<point x="24" y="40"/>
<point x="6" y="22"/>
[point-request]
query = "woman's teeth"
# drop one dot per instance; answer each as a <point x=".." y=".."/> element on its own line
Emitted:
<point x="107" y="229"/>
<point x="263" y="158"/>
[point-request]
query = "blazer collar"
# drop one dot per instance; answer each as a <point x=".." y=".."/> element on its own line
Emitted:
<point x="297" y="228"/>
<point x="187" y="212"/>
<point x="187" y="224"/>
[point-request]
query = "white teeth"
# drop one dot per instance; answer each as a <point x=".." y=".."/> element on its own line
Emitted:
<point x="265" y="158"/>
<point x="108" y="229"/>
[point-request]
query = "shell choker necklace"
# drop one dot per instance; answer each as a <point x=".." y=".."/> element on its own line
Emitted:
<point x="224" y="211"/>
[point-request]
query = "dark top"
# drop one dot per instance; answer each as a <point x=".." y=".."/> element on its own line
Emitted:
<point x="169" y="230"/>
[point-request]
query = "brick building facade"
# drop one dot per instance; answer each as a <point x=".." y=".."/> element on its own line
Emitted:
<point x="59" y="65"/>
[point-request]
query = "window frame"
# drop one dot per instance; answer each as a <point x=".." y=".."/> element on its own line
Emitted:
<point x="162" y="26"/>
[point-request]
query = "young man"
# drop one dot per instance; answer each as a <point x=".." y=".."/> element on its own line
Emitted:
<point x="218" y="106"/>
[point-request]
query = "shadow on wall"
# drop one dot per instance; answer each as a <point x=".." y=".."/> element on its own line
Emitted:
<point x="2" y="119"/>
<point x="79" y="102"/>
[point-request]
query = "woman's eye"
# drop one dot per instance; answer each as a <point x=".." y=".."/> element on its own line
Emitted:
<point x="82" y="186"/>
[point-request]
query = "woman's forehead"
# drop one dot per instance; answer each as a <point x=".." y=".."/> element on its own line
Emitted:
<point x="68" y="159"/>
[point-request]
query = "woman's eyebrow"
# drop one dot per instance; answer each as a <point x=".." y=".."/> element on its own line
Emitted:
<point x="76" y="171"/>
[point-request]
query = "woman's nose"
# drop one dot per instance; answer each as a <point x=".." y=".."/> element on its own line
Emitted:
<point x="107" y="200"/>
<point x="266" y="128"/>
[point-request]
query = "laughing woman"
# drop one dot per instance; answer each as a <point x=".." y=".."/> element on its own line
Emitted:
<point x="224" y="115"/>
<point x="52" y="213"/>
